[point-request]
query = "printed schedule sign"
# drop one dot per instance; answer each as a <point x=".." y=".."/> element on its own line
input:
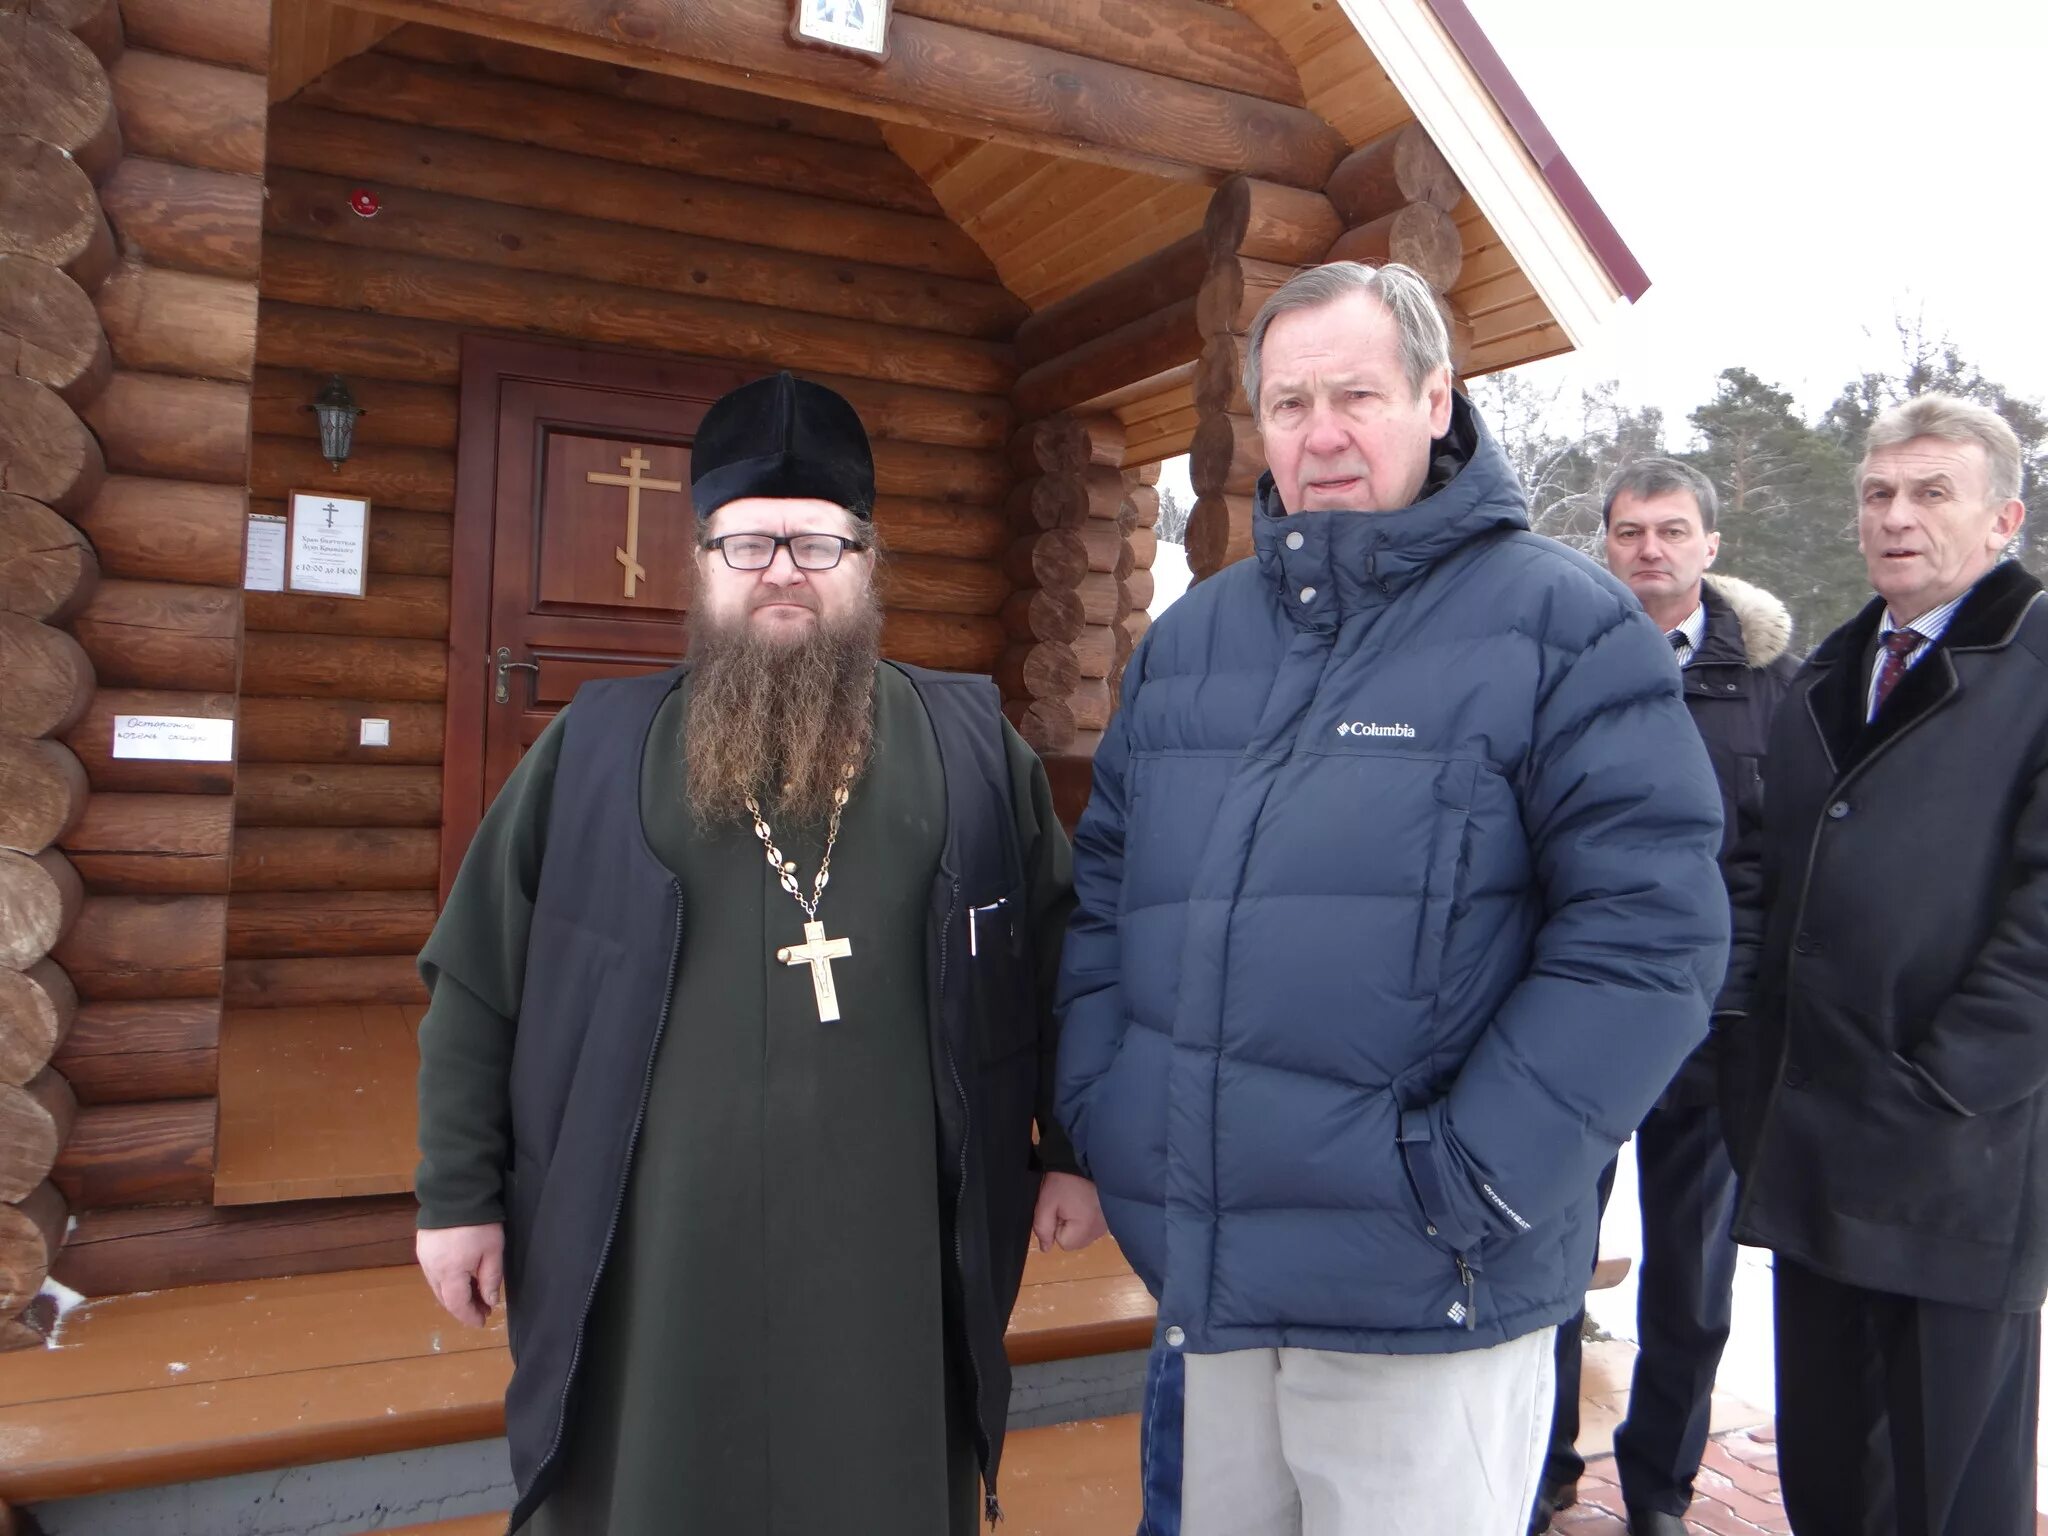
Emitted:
<point x="329" y="544"/>
<point x="264" y="571"/>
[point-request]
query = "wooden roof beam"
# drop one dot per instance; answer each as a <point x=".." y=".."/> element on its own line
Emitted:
<point x="938" y="75"/>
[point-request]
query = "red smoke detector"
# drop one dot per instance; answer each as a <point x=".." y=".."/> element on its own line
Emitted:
<point x="364" y="202"/>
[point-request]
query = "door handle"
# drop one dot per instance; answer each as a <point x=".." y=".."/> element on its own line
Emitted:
<point x="507" y="664"/>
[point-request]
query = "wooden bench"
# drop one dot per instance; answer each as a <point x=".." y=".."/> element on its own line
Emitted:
<point x="204" y="1381"/>
<point x="1078" y="1479"/>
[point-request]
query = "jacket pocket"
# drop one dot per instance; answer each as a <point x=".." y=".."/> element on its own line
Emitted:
<point x="1446" y="860"/>
<point x="1006" y="1012"/>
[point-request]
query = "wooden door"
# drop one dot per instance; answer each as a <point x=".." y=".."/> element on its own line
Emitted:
<point x="572" y="544"/>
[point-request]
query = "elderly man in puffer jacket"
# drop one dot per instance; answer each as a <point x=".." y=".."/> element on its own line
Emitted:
<point x="1398" y="908"/>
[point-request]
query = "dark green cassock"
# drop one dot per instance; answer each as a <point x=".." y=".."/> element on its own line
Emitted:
<point x="766" y="1352"/>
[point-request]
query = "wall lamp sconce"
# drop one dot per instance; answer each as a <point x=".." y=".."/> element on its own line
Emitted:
<point x="337" y="410"/>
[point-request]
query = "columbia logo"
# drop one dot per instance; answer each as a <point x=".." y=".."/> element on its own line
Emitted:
<point x="1457" y="1312"/>
<point x="1373" y="728"/>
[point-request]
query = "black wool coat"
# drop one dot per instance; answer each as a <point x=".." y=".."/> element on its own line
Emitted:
<point x="1884" y="1058"/>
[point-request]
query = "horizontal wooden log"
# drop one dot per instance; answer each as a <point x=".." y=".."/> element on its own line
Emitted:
<point x="337" y="795"/>
<point x="936" y="584"/>
<point x="458" y="164"/>
<point x="300" y="336"/>
<point x="40" y="897"/>
<point x="161" y="634"/>
<point x="48" y="331"/>
<point x="532" y="115"/>
<point x="1228" y="456"/>
<point x="92" y="739"/>
<point x="911" y="526"/>
<point x="31" y="1233"/>
<point x="38" y="1007"/>
<point x="1056" y="446"/>
<point x="463" y="229"/>
<point x="948" y="78"/>
<point x="356" y="981"/>
<point x="49" y="678"/>
<point x="336" y="667"/>
<point x="1094" y="655"/>
<point x="1459" y="327"/>
<point x="153" y="844"/>
<point x="420" y="479"/>
<point x="112" y="1253"/>
<point x="185" y="218"/>
<point x="305" y="730"/>
<point x="1135" y="592"/>
<point x="233" y="32"/>
<point x="1056" y="559"/>
<point x="1099" y="598"/>
<point x="42" y="792"/>
<point x="1155" y="282"/>
<point x="1047" y="725"/>
<point x="35" y="1120"/>
<point x="1269" y="223"/>
<point x="1395" y="169"/>
<point x="403" y="542"/>
<point x="50" y="213"/>
<point x="28" y="1329"/>
<point x="280" y="925"/>
<point x="1042" y="671"/>
<point x="1037" y="614"/>
<point x="464" y="293"/>
<point x="1182" y="39"/>
<point x="142" y="1053"/>
<point x="180" y="429"/>
<point x="168" y="530"/>
<point x="1421" y="237"/>
<point x="1141" y="505"/>
<point x="1143" y="545"/>
<point x="190" y="112"/>
<point x="140" y="947"/>
<point x="1219" y="533"/>
<point x="337" y="859"/>
<point x="1235" y="290"/>
<point x="47" y="568"/>
<point x="1219" y="377"/>
<point x="53" y="89"/>
<point x="162" y="321"/>
<point x="1104" y="542"/>
<point x="46" y="453"/>
<point x="1141" y="349"/>
<point x="96" y="23"/>
<point x="403" y="607"/>
<point x="1090" y="704"/>
<point x="396" y="413"/>
<point x="949" y="642"/>
<point x="139" y="1154"/>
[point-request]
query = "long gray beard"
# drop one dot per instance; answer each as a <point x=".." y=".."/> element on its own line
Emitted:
<point x="779" y="722"/>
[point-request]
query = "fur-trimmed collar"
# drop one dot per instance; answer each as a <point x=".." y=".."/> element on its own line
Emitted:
<point x="1763" y="623"/>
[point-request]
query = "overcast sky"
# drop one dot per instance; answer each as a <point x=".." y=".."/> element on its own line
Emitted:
<point x="1792" y="173"/>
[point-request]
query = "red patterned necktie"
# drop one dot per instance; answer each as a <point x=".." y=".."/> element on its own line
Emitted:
<point x="1898" y="645"/>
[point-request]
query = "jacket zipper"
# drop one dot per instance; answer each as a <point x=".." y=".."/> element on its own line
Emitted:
<point x="991" y="1507"/>
<point x="675" y="956"/>
<point x="1471" y="1300"/>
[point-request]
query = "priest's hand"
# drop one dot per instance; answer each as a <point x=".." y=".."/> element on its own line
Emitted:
<point x="466" y="1268"/>
<point x="1069" y="1213"/>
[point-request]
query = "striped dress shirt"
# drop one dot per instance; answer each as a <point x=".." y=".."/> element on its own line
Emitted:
<point x="1930" y="626"/>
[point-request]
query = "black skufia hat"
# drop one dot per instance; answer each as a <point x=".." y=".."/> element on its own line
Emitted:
<point x="782" y="436"/>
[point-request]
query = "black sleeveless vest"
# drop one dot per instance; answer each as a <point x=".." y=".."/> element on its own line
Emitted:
<point x="606" y="938"/>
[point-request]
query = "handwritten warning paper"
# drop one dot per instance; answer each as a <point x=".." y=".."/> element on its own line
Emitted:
<point x="330" y="544"/>
<point x="174" y="738"/>
<point x="264" y="571"/>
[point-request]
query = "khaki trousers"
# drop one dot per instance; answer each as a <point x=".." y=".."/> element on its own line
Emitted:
<point x="1309" y="1442"/>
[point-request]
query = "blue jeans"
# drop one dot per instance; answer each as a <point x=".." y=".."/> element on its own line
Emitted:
<point x="1160" y="1441"/>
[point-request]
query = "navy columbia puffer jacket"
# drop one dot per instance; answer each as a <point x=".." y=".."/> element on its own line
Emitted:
<point x="1398" y="908"/>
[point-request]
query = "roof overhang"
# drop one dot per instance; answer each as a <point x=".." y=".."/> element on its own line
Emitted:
<point x="1462" y="93"/>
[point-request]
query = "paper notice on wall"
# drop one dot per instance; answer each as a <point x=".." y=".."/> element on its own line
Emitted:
<point x="264" y="571"/>
<point x="330" y="544"/>
<point x="174" y="738"/>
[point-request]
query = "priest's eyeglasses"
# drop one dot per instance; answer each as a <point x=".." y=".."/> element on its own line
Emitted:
<point x="809" y="551"/>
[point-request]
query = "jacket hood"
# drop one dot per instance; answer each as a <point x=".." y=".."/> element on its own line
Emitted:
<point x="1326" y="564"/>
<point x="1765" y="623"/>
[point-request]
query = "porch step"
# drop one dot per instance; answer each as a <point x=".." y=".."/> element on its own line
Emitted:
<point x="1079" y="1479"/>
<point x="206" y="1381"/>
<point x="317" y="1103"/>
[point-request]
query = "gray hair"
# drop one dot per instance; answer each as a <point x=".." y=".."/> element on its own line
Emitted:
<point x="1953" y="421"/>
<point x="1425" y="344"/>
<point x="1647" y="478"/>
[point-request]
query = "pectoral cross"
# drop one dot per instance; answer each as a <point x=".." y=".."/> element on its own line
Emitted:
<point x="818" y="952"/>
<point x="629" y="556"/>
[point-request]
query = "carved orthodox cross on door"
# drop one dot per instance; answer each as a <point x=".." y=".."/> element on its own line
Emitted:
<point x="633" y="463"/>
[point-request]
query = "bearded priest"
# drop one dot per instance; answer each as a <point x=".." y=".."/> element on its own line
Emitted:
<point x="740" y="1028"/>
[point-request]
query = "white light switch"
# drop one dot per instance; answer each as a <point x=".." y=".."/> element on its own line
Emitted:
<point x="376" y="733"/>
